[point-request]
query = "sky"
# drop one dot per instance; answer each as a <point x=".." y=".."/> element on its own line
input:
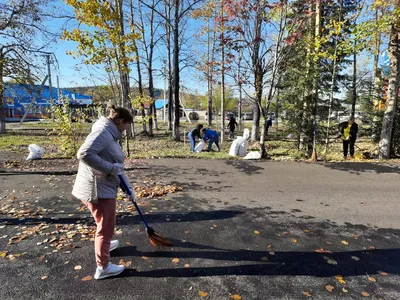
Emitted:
<point x="71" y="72"/>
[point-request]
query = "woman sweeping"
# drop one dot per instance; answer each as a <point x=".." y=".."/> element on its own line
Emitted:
<point x="100" y="162"/>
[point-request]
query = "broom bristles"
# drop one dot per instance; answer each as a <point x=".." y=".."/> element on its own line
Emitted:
<point x="157" y="239"/>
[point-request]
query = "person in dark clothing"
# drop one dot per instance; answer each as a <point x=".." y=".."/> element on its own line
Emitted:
<point x="211" y="137"/>
<point x="193" y="134"/>
<point x="349" y="132"/>
<point x="231" y="125"/>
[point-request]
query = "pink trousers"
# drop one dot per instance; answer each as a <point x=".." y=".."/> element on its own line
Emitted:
<point x="104" y="213"/>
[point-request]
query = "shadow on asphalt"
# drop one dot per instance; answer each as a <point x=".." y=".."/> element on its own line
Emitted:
<point x="362" y="167"/>
<point x="281" y="263"/>
<point x="245" y="167"/>
<point x="128" y="219"/>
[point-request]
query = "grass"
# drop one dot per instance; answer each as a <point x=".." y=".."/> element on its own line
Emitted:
<point x="161" y="145"/>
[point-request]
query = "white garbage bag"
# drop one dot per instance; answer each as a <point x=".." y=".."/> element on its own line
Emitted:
<point x="35" y="152"/>
<point x="199" y="146"/>
<point x="246" y="133"/>
<point x="253" y="155"/>
<point x="233" y="151"/>
<point x="243" y="148"/>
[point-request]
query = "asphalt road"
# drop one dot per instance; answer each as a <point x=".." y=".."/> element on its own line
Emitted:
<point x="240" y="229"/>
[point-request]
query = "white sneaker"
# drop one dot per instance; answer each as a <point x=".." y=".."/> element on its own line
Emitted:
<point x="114" y="245"/>
<point x="110" y="270"/>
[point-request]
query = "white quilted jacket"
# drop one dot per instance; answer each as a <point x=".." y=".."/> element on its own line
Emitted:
<point x="96" y="158"/>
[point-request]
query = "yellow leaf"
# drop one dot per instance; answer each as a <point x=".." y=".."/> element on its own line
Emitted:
<point x="3" y="254"/>
<point x="203" y="294"/>
<point x="340" y="279"/>
<point x="344" y="290"/>
<point x="345" y="242"/>
<point x="236" y="297"/>
<point x="256" y="232"/>
<point x="145" y="257"/>
<point x="307" y="230"/>
<point x="187" y="265"/>
<point x="329" y="288"/>
<point x="365" y="294"/>
<point x="175" y="260"/>
<point x="87" y="278"/>
<point x="372" y="279"/>
<point x="76" y="268"/>
<point x="307" y="294"/>
<point x="322" y="250"/>
<point x="44" y="277"/>
<point x="294" y="240"/>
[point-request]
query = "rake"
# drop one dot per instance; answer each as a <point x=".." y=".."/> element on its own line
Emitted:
<point x="155" y="238"/>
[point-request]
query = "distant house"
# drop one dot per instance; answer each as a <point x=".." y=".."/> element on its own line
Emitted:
<point x="18" y="97"/>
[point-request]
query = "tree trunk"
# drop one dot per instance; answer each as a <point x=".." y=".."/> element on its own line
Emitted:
<point x="222" y="75"/>
<point x="2" y="112"/>
<point x="354" y="85"/>
<point x="393" y="87"/>
<point x="258" y="73"/>
<point x="176" y="134"/>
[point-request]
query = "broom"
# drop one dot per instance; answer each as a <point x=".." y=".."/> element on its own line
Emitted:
<point x="154" y="238"/>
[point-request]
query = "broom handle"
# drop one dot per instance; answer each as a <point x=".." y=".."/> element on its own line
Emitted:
<point x="125" y="188"/>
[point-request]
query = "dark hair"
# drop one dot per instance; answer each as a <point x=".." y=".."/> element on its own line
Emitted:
<point x="199" y="126"/>
<point x="204" y="129"/>
<point x="115" y="113"/>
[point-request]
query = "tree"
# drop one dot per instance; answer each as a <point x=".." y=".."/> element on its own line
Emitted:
<point x="103" y="38"/>
<point x="393" y="88"/>
<point x="23" y="37"/>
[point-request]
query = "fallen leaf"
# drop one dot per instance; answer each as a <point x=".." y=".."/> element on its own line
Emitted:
<point x="372" y="279"/>
<point x="3" y="254"/>
<point x="383" y="273"/>
<point x="269" y="246"/>
<point x="307" y="230"/>
<point x="203" y="294"/>
<point x="329" y="288"/>
<point x="145" y="257"/>
<point x="307" y="294"/>
<point x="271" y="253"/>
<point x="175" y="260"/>
<point x="355" y="258"/>
<point x="44" y="277"/>
<point x="322" y="250"/>
<point x="340" y="279"/>
<point x="329" y="243"/>
<point x="256" y="232"/>
<point x="345" y="242"/>
<point x="87" y="278"/>
<point x="294" y="240"/>
<point x="372" y="247"/>
<point x="264" y="258"/>
<point x="236" y="297"/>
<point x="125" y="263"/>
<point x="128" y="243"/>
<point x="344" y="290"/>
<point x="365" y="294"/>
<point x="76" y="268"/>
<point x="332" y="262"/>
<point x="187" y="265"/>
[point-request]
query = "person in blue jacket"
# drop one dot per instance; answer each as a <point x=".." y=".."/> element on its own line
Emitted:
<point x="211" y="137"/>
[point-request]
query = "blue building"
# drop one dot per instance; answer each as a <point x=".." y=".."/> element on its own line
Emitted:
<point x="18" y="97"/>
